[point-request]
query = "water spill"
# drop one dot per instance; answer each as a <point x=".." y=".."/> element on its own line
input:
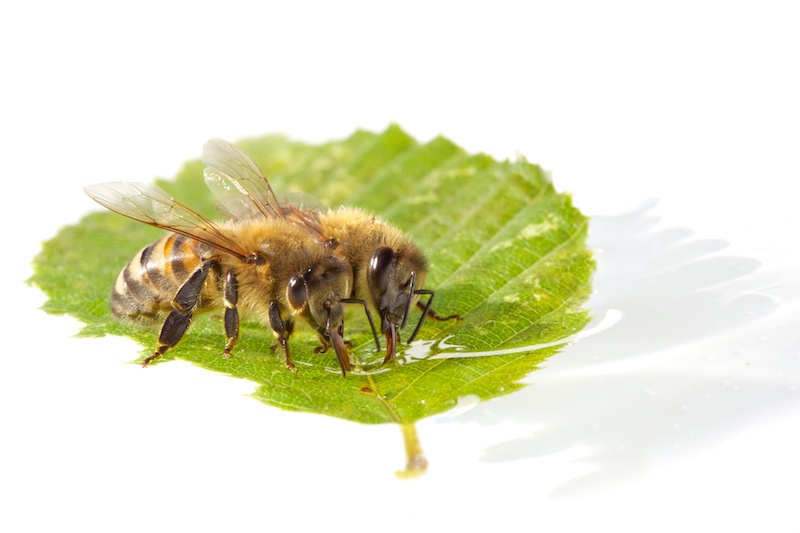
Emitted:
<point x="444" y="350"/>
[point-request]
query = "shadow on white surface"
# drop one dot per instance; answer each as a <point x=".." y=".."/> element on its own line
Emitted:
<point x="706" y="344"/>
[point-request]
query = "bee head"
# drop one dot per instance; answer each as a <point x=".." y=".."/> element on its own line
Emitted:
<point x="393" y="278"/>
<point x="317" y="294"/>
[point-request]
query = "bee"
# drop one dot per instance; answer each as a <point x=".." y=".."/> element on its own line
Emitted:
<point x="256" y="261"/>
<point x="388" y="269"/>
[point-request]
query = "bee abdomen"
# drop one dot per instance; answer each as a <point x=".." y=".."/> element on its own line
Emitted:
<point x="145" y="288"/>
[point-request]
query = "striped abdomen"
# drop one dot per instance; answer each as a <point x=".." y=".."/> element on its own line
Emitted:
<point x="146" y="286"/>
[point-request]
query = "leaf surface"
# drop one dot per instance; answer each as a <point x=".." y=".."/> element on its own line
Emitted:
<point x="507" y="252"/>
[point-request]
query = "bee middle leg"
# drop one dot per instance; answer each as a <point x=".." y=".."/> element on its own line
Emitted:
<point x="180" y="317"/>
<point x="230" y="298"/>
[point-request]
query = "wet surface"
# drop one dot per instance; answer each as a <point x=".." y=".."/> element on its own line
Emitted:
<point x="687" y="345"/>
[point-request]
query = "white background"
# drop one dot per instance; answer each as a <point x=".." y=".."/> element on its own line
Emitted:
<point x="675" y="124"/>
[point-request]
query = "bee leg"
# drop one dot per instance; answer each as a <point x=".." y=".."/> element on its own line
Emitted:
<point x="171" y="332"/>
<point x="428" y="312"/>
<point x="181" y="316"/>
<point x="326" y="345"/>
<point x="369" y="317"/>
<point x="282" y="331"/>
<point x="439" y="318"/>
<point x="230" y="298"/>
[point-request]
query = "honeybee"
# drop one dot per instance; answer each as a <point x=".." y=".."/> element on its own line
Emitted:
<point x="388" y="269"/>
<point x="257" y="261"/>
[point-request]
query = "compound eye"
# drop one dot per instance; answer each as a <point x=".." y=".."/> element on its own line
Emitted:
<point x="380" y="269"/>
<point x="297" y="292"/>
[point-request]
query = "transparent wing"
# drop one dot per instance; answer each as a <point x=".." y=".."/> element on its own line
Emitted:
<point x="309" y="219"/>
<point x="237" y="182"/>
<point x="303" y="200"/>
<point x="150" y="204"/>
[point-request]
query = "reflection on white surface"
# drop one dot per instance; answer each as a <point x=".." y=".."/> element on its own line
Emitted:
<point x="706" y="342"/>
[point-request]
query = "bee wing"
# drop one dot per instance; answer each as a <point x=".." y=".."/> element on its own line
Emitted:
<point x="307" y="218"/>
<point x="237" y="182"/>
<point x="303" y="200"/>
<point x="150" y="204"/>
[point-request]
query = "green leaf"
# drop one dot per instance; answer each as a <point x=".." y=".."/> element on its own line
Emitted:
<point x="507" y="252"/>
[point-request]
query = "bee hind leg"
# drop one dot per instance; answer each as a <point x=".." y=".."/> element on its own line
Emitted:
<point x="171" y="332"/>
<point x="180" y="317"/>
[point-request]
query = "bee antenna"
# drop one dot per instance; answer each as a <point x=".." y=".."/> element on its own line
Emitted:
<point x="369" y="317"/>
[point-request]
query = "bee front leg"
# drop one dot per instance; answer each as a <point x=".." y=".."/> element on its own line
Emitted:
<point x="325" y="345"/>
<point x="178" y="320"/>
<point x="436" y="316"/>
<point x="429" y="313"/>
<point x="282" y="331"/>
<point x="230" y="298"/>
